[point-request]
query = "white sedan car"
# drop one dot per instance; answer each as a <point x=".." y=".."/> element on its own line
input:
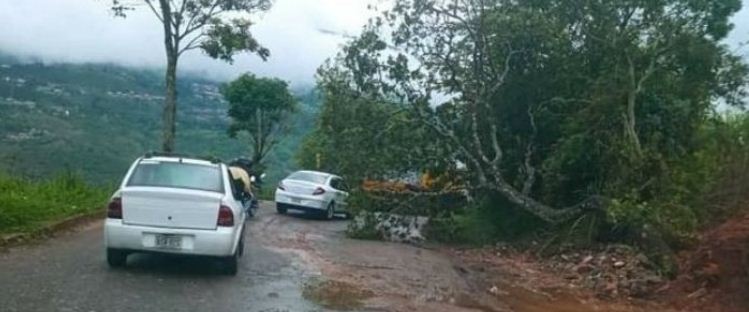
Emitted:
<point x="321" y="193"/>
<point x="175" y="205"/>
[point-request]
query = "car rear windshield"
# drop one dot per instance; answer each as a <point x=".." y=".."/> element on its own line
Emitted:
<point x="177" y="175"/>
<point x="309" y="177"/>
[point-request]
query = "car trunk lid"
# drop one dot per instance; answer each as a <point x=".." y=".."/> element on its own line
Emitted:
<point x="300" y="187"/>
<point x="170" y="207"/>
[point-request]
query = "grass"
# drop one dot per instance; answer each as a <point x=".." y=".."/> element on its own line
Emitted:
<point x="28" y="205"/>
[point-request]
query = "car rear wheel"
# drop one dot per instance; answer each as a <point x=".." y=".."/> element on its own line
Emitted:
<point x="241" y="247"/>
<point x="231" y="264"/>
<point x="330" y="211"/>
<point x="280" y="209"/>
<point x="116" y="258"/>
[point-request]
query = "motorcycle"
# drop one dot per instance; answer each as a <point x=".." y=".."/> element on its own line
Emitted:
<point x="255" y="185"/>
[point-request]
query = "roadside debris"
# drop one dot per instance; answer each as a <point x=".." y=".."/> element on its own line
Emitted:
<point x="390" y="227"/>
<point x="612" y="271"/>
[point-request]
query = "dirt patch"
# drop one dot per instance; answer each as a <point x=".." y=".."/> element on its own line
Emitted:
<point x="715" y="275"/>
<point x="336" y="295"/>
<point x="527" y="283"/>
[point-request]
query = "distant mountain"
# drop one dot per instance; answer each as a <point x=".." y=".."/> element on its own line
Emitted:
<point x="97" y="118"/>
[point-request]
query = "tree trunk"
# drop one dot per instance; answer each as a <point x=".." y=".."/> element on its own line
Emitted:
<point x="630" y="123"/>
<point x="257" y="154"/>
<point x="544" y="212"/>
<point x="170" y="106"/>
<point x="169" y="117"/>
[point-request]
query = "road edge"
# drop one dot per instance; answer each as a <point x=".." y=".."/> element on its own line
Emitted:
<point x="50" y="229"/>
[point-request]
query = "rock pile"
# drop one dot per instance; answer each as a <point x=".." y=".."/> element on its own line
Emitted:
<point x="613" y="271"/>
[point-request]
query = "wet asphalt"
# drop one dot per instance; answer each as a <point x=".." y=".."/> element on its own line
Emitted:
<point x="69" y="273"/>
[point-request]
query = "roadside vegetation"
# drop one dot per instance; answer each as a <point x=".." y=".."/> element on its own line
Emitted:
<point x="29" y="205"/>
<point x="609" y="122"/>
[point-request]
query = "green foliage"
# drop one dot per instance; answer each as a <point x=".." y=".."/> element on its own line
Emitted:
<point x="548" y="104"/>
<point x="221" y="28"/>
<point x="488" y="220"/>
<point x="26" y="205"/>
<point x="226" y="38"/>
<point x="259" y="107"/>
<point x="361" y="138"/>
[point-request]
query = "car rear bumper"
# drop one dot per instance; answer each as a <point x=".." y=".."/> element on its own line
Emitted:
<point x="294" y="201"/>
<point x="300" y="208"/>
<point x="219" y="242"/>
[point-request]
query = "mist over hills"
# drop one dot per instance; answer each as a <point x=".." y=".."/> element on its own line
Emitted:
<point x="95" y="119"/>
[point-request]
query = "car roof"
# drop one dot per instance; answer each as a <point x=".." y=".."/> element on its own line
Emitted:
<point x="186" y="160"/>
<point x="328" y="175"/>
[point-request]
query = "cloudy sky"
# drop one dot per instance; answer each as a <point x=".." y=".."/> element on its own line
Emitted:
<point x="86" y="31"/>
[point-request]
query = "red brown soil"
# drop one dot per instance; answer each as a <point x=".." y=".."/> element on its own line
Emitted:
<point x="715" y="275"/>
<point x="528" y="283"/>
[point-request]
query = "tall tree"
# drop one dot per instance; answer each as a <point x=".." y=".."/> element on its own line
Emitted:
<point x="259" y="107"/>
<point x="221" y="28"/>
<point x="537" y="95"/>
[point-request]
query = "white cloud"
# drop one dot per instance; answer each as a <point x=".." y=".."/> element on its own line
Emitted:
<point x="86" y="31"/>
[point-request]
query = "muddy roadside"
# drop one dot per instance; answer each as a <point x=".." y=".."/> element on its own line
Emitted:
<point x="381" y="276"/>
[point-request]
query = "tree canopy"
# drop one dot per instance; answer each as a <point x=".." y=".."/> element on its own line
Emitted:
<point x="558" y="106"/>
<point x="259" y="107"/>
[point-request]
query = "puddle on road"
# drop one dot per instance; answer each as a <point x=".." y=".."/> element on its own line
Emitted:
<point x="336" y="295"/>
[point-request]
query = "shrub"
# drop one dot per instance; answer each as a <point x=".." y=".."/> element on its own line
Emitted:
<point x="488" y="220"/>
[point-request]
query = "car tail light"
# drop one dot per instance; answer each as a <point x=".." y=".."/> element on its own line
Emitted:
<point x="114" y="209"/>
<point x="225" y="216"/>
<point x="318" y="191"/>
<point x="281" y="186"/>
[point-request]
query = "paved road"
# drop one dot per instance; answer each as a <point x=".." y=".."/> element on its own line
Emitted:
<point x="69" y="273"/>
<point x="285" y="256"/>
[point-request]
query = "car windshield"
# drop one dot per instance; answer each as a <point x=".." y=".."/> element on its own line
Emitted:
<point x="177" y="175"/>
<point x="308" y="177"/>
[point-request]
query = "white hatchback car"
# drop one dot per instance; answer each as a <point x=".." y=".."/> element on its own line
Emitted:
<point x="321" y="193"/>
<point x="175" y="205"/>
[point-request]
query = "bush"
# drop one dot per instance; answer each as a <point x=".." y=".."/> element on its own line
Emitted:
<point x="489" y="220"/>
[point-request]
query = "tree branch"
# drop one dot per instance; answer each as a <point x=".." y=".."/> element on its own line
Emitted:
<point x="155" y="12"/>
<point x="204" y="19"/>
<point x="530" y="171"/>
<point x="194" y="43"/>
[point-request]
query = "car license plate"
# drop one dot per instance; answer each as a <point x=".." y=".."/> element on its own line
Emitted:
<point x="168" y="241"/>
<point x="296" y="200"/>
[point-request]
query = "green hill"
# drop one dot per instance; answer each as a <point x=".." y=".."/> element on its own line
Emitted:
<point x="96" y="118"/>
